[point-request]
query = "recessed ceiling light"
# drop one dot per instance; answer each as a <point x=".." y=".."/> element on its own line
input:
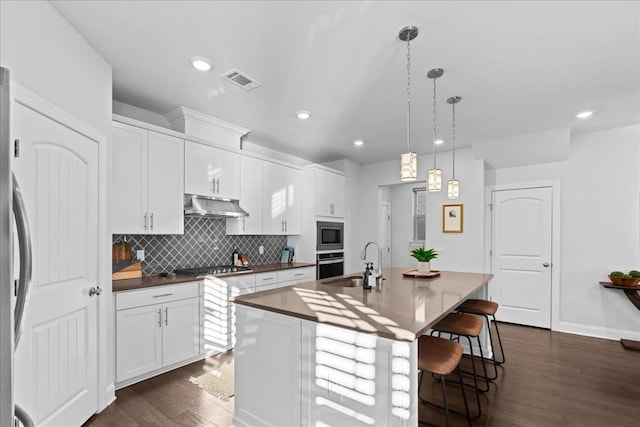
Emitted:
<point x="358" y="142"/>
<point x="201" y="63"/>
<point x="584" y="114"/>
<point x="438" y="141"/>
<point x="303" y="115"/>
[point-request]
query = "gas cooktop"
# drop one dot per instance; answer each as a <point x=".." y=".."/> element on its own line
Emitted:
<point x="216" y="270"/>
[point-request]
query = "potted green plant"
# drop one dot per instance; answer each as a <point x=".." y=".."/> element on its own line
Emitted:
<point x="424" y="257"/>
<point x="621" y="279"/>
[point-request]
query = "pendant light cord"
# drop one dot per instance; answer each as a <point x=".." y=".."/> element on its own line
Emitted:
<point x="453" y="138"/>
<point x="409" y="94"/>
<point x="435" y="134"/>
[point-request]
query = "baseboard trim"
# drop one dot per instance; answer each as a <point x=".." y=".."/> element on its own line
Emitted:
<point x="595" y="331"/>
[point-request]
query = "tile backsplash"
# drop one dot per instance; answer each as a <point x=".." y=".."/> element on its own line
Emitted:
<point x="204" y="243"/>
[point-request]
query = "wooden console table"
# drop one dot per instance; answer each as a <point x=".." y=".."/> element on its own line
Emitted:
<point x="632" y="293"/>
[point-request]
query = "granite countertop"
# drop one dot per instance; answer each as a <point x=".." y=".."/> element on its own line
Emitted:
<point x="172" y="279"/>
<point x="403" y="308"/>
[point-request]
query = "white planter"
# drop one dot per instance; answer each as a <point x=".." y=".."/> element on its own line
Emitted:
<point x="424" y="267"/>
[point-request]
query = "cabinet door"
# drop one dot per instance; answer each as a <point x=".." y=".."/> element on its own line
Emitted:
<point x="323" y="192"/>
<point x="128" y="179"/>
<point x="165" y="184"/>
<point x="138" y="341"/>
<point x="292" y="179"/>
<point x="337" y="190"/>
<point x="227" y="174"/>
<point x="200" y="170"/>
<point x="250" y="198"/>
<point x="181" y="329"/>
<point x="274" y="199"/>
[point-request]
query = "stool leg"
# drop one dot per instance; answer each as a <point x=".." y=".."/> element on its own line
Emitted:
<point x="495" y="323"/>
<point x="464" y="397"/>
<point x="444" y="398"/>
<point x="493" y="348"/>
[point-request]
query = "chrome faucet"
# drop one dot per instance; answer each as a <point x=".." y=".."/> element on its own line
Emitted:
<point x="363" y="256"/>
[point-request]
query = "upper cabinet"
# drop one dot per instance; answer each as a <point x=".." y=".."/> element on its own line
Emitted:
<point x="250" y="199"/>
<point x="281" y="199"/>
<point x="147" y="182"/>
<point x="329" y="194"/>
<point x="211" y="172"/>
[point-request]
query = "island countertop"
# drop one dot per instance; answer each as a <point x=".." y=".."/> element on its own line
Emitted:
<point x="403" y="308"/>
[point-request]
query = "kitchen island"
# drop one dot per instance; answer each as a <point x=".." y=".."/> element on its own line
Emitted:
<point x="322" y="354"/>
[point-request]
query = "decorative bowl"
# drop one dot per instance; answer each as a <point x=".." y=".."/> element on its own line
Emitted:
<point x="625" y="281"/>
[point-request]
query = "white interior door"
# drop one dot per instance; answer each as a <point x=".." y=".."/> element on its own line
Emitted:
<point x="521" y="255"/>
<point x="384" y="233"/>
<point x="56" y="359"/>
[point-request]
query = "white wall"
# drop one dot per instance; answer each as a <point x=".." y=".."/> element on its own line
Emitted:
<point x="600" y="228"/>
<point x="49" y="58"/>
<point x="402" y="224"/>
<point x="460" y="251"/>
<point x="141" y="114"/>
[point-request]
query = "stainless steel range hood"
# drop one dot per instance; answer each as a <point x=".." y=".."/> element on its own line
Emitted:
<point x="212" y="207"/>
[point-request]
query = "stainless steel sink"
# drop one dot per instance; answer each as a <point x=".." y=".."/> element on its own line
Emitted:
<point x="345" y="282"/>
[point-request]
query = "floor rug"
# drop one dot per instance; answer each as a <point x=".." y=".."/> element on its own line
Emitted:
<point x="218" y="382"/>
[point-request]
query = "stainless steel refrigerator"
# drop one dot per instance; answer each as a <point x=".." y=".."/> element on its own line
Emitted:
<point x="15" y="263"/>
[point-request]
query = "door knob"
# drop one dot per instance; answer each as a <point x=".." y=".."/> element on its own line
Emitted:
<point x="545" y="264"/>
<point x="94" y="291"/>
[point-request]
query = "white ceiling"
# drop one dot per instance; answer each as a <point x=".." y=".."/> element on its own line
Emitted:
<point x="520" y="67"/>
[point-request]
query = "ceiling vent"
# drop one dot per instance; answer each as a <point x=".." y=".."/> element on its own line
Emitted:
<point x="240" y="79"/>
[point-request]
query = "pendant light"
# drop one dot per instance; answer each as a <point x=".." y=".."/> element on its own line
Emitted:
<point x="408" y="160"/>
<point x="434" y="177"/>
<point x="453" y="185"/>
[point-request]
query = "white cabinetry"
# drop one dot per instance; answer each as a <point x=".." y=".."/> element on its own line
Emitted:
<point x="147" y="182"/>
<point x="282" y="199"/>
<point x="156" y="328"/>
<point x="250" y="199"/>
<point x="295" y="276"/>
<point x="211" y="172"/>
<point x="266" y="281"/>
<point x="329" y="189"/>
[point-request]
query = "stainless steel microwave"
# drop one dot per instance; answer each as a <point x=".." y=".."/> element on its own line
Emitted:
<point x="330" y="236"/>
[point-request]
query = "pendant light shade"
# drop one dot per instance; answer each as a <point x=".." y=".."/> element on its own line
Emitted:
<point x="453" y="186"/>
<point x="408" y="166"/>
<point x="408" y="160"/>
<point x="434" y="176"/>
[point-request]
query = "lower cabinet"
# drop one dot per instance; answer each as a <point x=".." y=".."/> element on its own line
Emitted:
<point x="295" y="276"/>
<point x="156" y="328"/>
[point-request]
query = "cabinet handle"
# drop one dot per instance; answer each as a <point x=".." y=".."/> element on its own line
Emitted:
<point x="145" y="221"/>
<point x="286" y="226"/>
<point x="162" y="295"/>
<point x="166" y="316"/>
<point x="213" y="185"/>
<point x="268" y="278"/>
<point x="244" y="225"/>
<point x="152" y="221"/>
<point x="218" y="185"/>
<point x="160" y="318"/>
<point x="299" y="274"/>
<point x="282" y="226"/>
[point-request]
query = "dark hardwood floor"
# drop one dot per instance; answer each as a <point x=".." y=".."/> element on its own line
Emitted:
<point x="549" y="379"/>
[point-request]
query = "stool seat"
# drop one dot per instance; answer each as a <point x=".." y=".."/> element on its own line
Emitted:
<point x="438" y="356"/>
<point x="460" y="324"/>
<point x="478" y="306"/>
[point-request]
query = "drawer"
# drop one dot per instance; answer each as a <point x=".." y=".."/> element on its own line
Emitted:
<point x="225" y="287"/>
<point x="156" y="295"/>
<point x="303" y="274"/>
<point x="264" y="279"/>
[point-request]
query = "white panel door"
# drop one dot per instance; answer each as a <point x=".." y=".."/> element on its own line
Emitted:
<point x="138" y="341"/>
<point x="227" y="174"/>
<point x="56" y="361"/>
<point x="165" y="189"/>
<point x="199" y="160"/>
<point x="181" y="329"/>
<point x="521" y="255"/>
<point x="128" y="179"/>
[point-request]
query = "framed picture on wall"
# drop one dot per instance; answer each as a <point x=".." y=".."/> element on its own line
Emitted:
<point x="452" y="218"/>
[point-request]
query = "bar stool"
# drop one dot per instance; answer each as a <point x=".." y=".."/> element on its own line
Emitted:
<point x="485" y="308"/>
<point x="440" y="357"/>
<point x="466" y="325"/>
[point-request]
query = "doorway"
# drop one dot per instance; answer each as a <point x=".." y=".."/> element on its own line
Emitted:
<point x="522" y="242"/>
